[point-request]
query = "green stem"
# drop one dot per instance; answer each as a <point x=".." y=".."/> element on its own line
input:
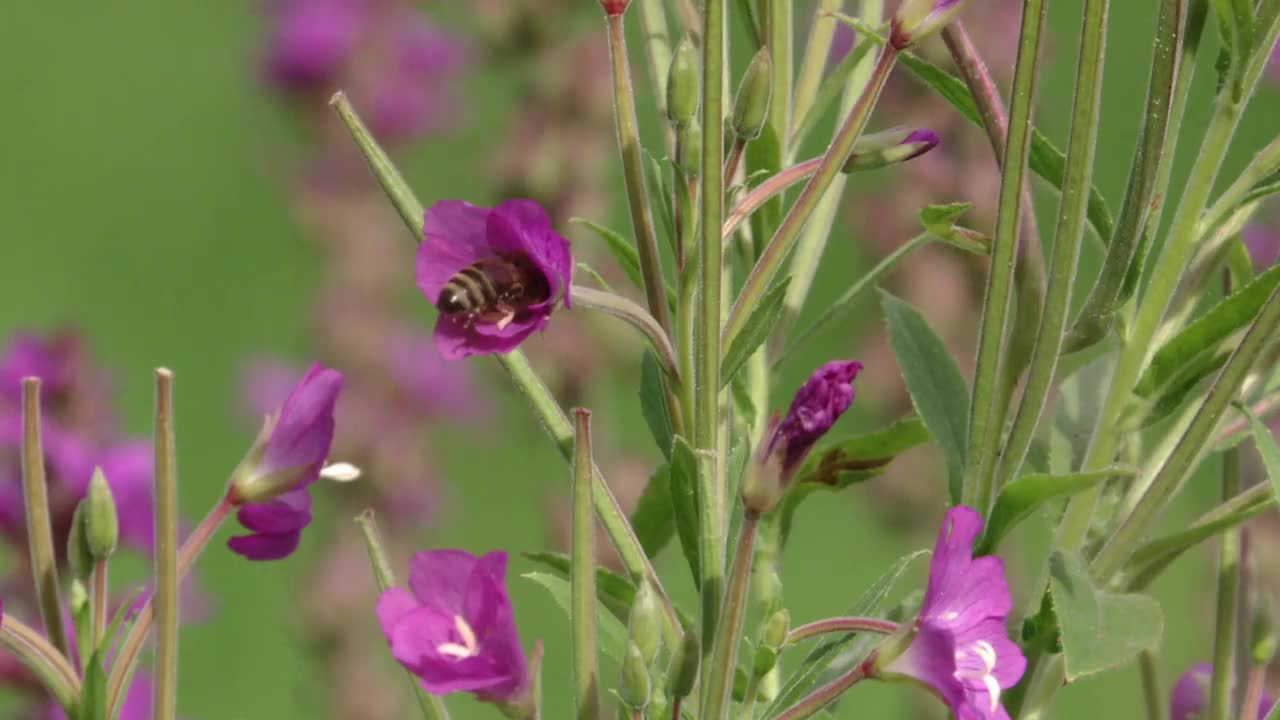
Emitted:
<point x="99" y="590"/>
<point x="638" y="318"/>
<point x="1194" y="443"/>
<point x="1152" y="691"/>
<point x="718" y="689"/>
<point x="433" y="707"/>
<point x="985" y="418"/>
<point x="1225" y="620"/>
<point x="778" y="34"/>
<point x="784" y="240"/>
<point x="165" y="672"/>
<point x="842" y="625"/>
<point x="582" y="576"/>
<point x="653" y="20"/>
<point x="706" y="381"/>
<point x="35" y="495"/>
<point x="393" y="184"/>
<point x="734" y="159"/>
<point x="1072" y="218"/>
<point x="38" y="655"/>
<point x="633" y="173"/>
<point x="1095" y="319"/>
<point x="816" y="56"/>
<point x="820" y="698"/>
<point x="1263" y="165"/>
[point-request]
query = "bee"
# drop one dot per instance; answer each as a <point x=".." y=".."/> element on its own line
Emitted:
<point x="493" y="290"/>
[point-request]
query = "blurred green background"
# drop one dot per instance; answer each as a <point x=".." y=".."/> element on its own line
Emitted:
<point x="141" y="200"/>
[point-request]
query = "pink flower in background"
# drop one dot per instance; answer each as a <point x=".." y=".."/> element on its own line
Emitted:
<point x="431" y="386"/>
<point x="817" y="405"/>
<point x="49" y="359"/>
<point x="1263" y="244"/>
<point x="454" y="628"/>
<point x="416" y="93"/>
<point x="311" y="42"/>
<point x="959" y="646"/>
<point x="1191" y="695"/>
<point x="496" y="274"/>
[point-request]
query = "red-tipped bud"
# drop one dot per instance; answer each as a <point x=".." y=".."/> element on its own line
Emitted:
<point x="614" y="7"/>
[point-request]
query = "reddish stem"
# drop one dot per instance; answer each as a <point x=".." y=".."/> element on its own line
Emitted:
<point x="842" y="625"/>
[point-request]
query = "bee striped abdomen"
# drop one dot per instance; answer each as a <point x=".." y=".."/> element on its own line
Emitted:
<point x="469" y="290"/>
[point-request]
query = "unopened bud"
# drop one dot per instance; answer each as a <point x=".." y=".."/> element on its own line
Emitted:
<point x="918" y="19"/>
<point x="683" y="671"/>
<point x="682" y="84"/>
<point x="692" y="136"/>
<point x="762" y="479"/>
<point x="877" y="150"/>
<point x="774" y="633"/>
<point x="79" y="558"/>
<point x="634" y="689"/>
<point x="101" y="525"/>
<point x="751" y="107"/>
<point x="646" y="621"/>
<point x="614" y="7"/>
<point x="1262" y="634"/>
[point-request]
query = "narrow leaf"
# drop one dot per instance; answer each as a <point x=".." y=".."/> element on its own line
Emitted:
<point x="653" y="402"/>
<point x="757" y="329"/>
<point x="764" y="158"/>
<point x="1022" y="497"/>
<point x="935" y="384"/>
<point x="1099" y="630"/>
<point x="93" y="695"/>
<point x="660" y="196"/>
<point x="684" y="500"/>
<point x="623" y="251"/>
<point x="653" y="521"/>
<point x="940" y="222"/>
<point x="614" y="591"/>
<point x="828" y="92"/>
<point x="1267" y="448"/>
<point x="613" y="634"/>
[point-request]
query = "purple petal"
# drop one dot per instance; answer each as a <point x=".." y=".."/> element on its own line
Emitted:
<point x="303" y="433"/>
<point x="287" y="513"/>
<point x="455" y="341"/>
<point x="311" y="42"/>
<point x="129" y="470"/>
<point x="265" y="547"/>
<point x="439" y="578"/>
<point x="817" y="405"/>
<point x="523" y="226"/>
<point x="454" y="236"/>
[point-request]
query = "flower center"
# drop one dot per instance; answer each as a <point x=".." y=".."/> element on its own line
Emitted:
<point x="467" y="648"/>
<point x="987" y="655"/>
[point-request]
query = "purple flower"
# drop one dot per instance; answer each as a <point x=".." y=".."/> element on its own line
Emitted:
<point x="415" y="93"/>
<point x="130" y="470"/>
<point x="294" y="444"/>
<point x="311" y="42"/>
<point x="51" y="360"/>
<point x="1191" y="695"/>
<point x="817" y="405"/>
<point x="429" y="385"/>
<point x="276" y="526"/>
<point x="454" y="628"/>
<point x="1263" y="244"/>
<point x="137" y="702"/>
<point x="958" y="646"/>
<point x="514" y="246"/>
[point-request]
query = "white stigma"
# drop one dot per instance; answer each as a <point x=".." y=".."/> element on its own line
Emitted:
<point x="468" y="647"/>
<point x="987" y="654"/>
<point x="342" y="472"/>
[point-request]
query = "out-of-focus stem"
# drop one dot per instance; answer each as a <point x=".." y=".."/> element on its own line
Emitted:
<point x="816" y="55"/>
<point x="1152" y="692"/>
<point x="653" y="20"/>
<point x="35" y="496"/>
<point x="1225" y="618"/>
<point x="765" y="191"/>
<point x="433" y="707"/>
<point x="818" y="699"/>
<point x="38" y="655"/>
<point x="165" y="672"/>
<point x="778" y="32"/>
<point x="986" y="416"/>
<point x="734" y="159"/>
<point x="633" y="174"/>
<point x="393" y="184"/>
<point x="720" y="670"/>
<point x="582" y="578"/>
<point x="1252" y="704"/>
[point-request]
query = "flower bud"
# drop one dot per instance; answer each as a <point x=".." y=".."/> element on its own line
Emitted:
<point x="646" y="621"/>
<point x="682" y="84"/>
<point x="751" y="108"/>
<point x="683" y="671"/>
<point x="101" y="525"/>
<point x="889" y="147"/>
<point x="614" y="7"/>
<point x="774" y="633"/>
<point x="634" y="689"/>
<point x="79" y="558"/>
<point x="917" y="19"/>
<point x="692" y="136"/>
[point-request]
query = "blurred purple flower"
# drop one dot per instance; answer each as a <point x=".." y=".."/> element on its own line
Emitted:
<point x="842" y="42"/>
<point x="1263" y="244"/>
<point x="1191" y="694"/>
<point x="959" y="646"/>
<point x="311" y="42"/>
<point x="294" y="444"/>
<point x="50" y="359"/>
<point x="457" y="235"/>
<point x="454" y="627"/>
<point x="137" y="702"/>
<point x="275" y="526"/>
<point x="1273" y="65"/>
<point x="265" y="384"/>
<point x="817" y="405"/>
<point x="415" y="94"/>
<point x="430" y="385"/>
<point x="130" y="469"/>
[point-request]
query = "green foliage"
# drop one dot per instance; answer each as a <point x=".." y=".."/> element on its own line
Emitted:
<point x="613" y="591"/>
<point x="613" y="634"/>
<point x="684" y="500"/>
<point x="653" y="520"/>
<point x="757" y="329"/>
<point x="660" y="195"/>
<point x="623" y="251"/>
<point x="1267" y="449"/>
<point x="937" y="389"/>
<point x="940" y="221"/>
<point x="653" y="402"/>
<point x="93" y="694"/>
<point x="1022" y="497"/>
<point x="829" y="92"/>
<point x="764" y="159"/>
<point x="1099" y="630"/>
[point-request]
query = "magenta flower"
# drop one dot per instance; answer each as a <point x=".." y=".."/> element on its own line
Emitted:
<point x="1263" y="244"/>
<point x="49" y="359"/>
<point x="415" y="93"/>
<point x="518" y="270"/>
<point x="454" y="628"/>
<point x="294" y="443"/>
<point x="311" y="42"/>
<point x="1191" y="695"/>
<point x="817" y="405"/>
<point x="958" y="646"/>
<point x="275" y="526"/>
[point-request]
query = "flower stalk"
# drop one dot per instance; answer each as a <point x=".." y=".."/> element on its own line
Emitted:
<point x="841" y="625"/>
<point x="582" y="576"/>
<point x="38" y="655"/>
<point x="166" y="560"/>
<point x="638" y="318"/>
<point x="1226" y="621"/>
<point x="35" y="495"/>
<point x="717" y="693"/>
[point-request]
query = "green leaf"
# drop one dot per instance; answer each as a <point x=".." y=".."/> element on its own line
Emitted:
<point x="764" y="158"/>
<point x="597" y="277"/>
<point x="1267" y="448"/>
<point x="623" y="251"/>
<point x="684" y="500"/>
<point x="1264" y="188"/>
<point x="940" y="221"/>
<point x="93" y="694"/>
<point x="935" y="384"/>
<point x="829" y="91"/>
<point x="1099" y="630"/>
<point x="835" y="466"/>
<point x="1205" y="334"/>
<point x="122" y="620"/>
<point x="1022" y="497"/>
<point x="653" y="521"/>
<point x="757" y="329"/>
<point x="653" y="402"/>
<point x="837" y="656"/>
<point x="613" y="633"/>
<point x="613" y="591"/>
<point x="660" y="195"/>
